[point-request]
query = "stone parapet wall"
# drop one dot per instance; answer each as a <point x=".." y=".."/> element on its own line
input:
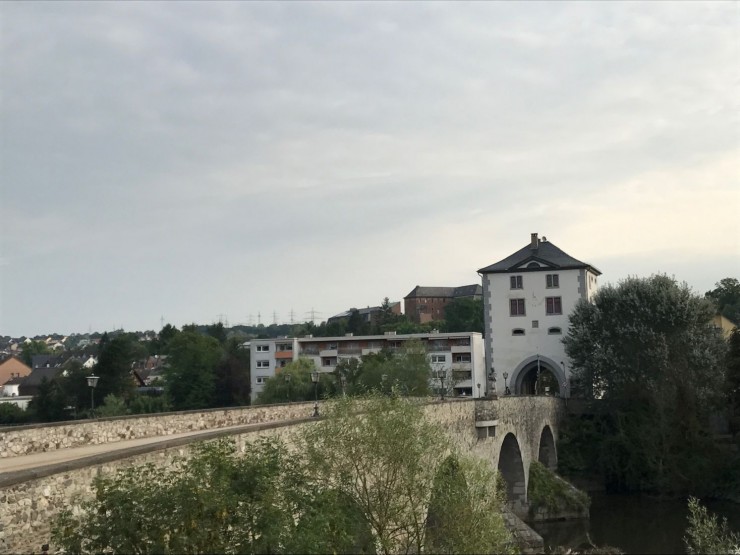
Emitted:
<point x="28" y="508"/>
<point x="25" y="440"/>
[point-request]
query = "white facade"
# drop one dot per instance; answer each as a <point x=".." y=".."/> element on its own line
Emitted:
<point x="527" y="300"/>
<point x="459" y="354"/>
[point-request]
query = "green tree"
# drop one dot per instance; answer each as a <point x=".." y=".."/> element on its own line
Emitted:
<point x="114" y="365"/>
<point x="726" y="295"/>
<point x="733" y="378"/>
<point x="707" y="534"/>
<point x="50" y="402"/>
<point x="217" y="331"/>
<point x="464" y="315"/>
<point x="31" y="349"/>
<point x="299" y="387"/>
<point x="407" y="371"/>
<point x="386" y="461"/>
<point x="645" y="349"/>
<point x="233" y="382"/>
<point x="190" y="374"/>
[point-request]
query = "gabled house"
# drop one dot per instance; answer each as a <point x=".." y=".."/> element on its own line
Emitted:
<point x="13" y="368"/>
<point x="30" y="384"/>
<point x="527" y="299"/>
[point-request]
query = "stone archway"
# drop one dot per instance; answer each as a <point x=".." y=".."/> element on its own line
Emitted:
<point x="511" y="466"/>
<point x="547" y="454"/>
<point x="538" y="376"/>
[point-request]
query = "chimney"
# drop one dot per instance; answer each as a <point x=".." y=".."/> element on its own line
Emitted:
<point x="535" y="242"/>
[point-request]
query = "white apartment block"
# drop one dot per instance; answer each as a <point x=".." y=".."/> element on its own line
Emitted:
<point x="527" y="298"/>
<point x="460" y="355"/>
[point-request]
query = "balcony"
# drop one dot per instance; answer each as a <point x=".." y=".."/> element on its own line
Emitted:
<point x="461" y="348"/>
<point x="462" y="366"/>
<point x="328" y="353"/>
<point x="284" y="355"/>
<point x="370" y="350"/>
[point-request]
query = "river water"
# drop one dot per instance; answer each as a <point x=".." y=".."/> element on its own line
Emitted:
<point x="633" y="523"/>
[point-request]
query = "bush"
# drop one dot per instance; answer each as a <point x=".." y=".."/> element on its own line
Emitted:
<point x="707" y="534"/>
<point x="10" y="413"/>
<point x="548" y="491"/>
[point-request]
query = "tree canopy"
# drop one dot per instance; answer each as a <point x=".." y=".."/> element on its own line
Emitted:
<point x="726" y="295"/>
<point x="362" y="480"/>
<point x="646" y="351"/>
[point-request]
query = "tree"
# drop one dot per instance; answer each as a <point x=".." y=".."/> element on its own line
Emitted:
<point x="733" y="378"/>
<point x="190" y="375"/>
<point x="726" y="296"/>
<point x="50" y="402"/>
<point x="31" y="349"/>
<point x="299" y="387"/>
<point x="464" y="315"/>
<point x="387" y="461"/>
<point x="233" y="382"/>
<point x="707" y="534"/>
<point x="647" y="351"/>
<point x="408" y="371"/>
<point x="217" y="331"/>
<point x="114" y="365"/>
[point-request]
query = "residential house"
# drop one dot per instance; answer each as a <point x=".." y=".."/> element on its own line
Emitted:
<point x="527" y="299"/>
<point x="426" y="304"/>
<point x="13" y="368"/>
<point x="459" y="354"/>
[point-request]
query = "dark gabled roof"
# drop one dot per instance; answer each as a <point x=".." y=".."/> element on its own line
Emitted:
<point x="547" y="254"/>
<point x="38" y="374"/>
<point x="15" y="381"/>
<point x="41" y="361"/>
<point x="421" y="291"/>
<point x="468" y="291"/>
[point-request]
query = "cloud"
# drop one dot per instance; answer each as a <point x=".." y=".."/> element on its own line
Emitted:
<point x="198" y="158"/>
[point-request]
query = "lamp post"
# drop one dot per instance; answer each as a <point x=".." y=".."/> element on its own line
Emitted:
<point x="478" y="390"/>
<point x="441" y="376"/>
<point x="92" y="382"/>
<point x="287" y="378"/>
<point x="506" y="387"/>
<point x="315" y="380"/>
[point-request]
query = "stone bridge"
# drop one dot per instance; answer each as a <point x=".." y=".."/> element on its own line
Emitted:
<point x="46" y="468"/>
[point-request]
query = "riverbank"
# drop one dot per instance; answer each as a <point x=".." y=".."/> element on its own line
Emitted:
<point x="633" y="523"/>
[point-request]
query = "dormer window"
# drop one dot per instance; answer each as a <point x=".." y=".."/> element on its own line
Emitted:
<point x="516" y="282"/>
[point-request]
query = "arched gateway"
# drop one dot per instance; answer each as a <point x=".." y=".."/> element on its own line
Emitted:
<point x="539" y="375"/>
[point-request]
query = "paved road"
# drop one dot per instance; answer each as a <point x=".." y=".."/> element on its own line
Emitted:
<point x="35" y="460"/>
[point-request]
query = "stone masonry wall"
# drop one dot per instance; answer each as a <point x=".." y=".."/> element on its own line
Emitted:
<point x="27" y="507"/>
<point x="24" y="440"/>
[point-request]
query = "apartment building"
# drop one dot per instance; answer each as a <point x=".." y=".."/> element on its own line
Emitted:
<point x="460" y="355"/>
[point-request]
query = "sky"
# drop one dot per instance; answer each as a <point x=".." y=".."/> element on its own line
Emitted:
<point x="196" y="162"/>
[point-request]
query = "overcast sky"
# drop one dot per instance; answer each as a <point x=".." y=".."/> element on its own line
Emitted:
<point x="196" y="161"/>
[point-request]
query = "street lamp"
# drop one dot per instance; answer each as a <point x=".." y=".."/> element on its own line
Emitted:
<point x="287" y="378"/>
<point x="441" y="376"/>
<point x="506" y="387"/>
<point x="478" y="390"/>
<point x="92" y="382"/>
<point x="315" y="380"/>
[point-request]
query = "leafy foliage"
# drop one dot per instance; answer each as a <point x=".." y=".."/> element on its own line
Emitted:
<point x="33" y="348"/>
<point x="645" y="352"/>
<point x="707" y="534"/>
<point x="726" y="295"/>
<point x="464" y="315"/>
<point x="549" y="491"/>
<point x="10" y="413"/>
<point x="386" y="462"/>
<point x="191" y="380"/>
<point x="356" y="484"/>
<point x="298" y="386"/>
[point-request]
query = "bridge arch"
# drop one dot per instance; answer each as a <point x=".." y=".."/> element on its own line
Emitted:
<point x="547" y="453"/>
<point x="524" y="378"/>
<point x="511" y="466"/>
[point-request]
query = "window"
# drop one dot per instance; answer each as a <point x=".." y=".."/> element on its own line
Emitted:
<point x="263" y="364"/>
<point x="283" y="363"/>
<point x="553" y="280"/>
<point x="535" y="323"/>
<point x="438" y="358"/>
<point x="332" y="347"/>
<point x="516" y="282"/>
<point x="553" y="305"/>
<point x="463" y="357"/>
<point x="517" y="331"/>
<point x="516" y="307"/>
<point x="328" y="362"/>
<point x="284" y="347"/>
<point x="261" y="379"/>
<point x="554" y="331"/>
<point x="263" y="348"/>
